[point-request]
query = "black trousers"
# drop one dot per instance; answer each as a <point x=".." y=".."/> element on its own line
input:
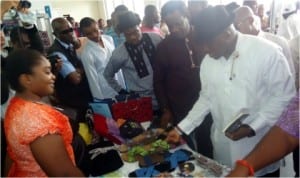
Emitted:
<point x="202" y="136"/>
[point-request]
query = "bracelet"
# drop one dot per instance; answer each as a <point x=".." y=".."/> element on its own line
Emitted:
<point x="247" y="165"/>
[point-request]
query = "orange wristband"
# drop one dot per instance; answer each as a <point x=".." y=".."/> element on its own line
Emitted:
<point x="247" y="165"/>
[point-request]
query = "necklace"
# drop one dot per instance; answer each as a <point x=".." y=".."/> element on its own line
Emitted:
<point x="234" y="57"/>
<point x="193" y="65"/>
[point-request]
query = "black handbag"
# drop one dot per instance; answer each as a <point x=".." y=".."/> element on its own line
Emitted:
<point x="131" y="129"/>
<point x="104" y="158"/>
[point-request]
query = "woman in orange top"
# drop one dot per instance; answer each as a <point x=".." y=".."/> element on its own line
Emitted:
<point x="38" y="136"/>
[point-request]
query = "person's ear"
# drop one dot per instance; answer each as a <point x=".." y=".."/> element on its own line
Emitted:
<point x="251" y="20"/>
<point x="25" y="80"/>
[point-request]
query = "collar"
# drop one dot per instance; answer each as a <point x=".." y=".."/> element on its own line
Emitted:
<point x="65" y="45"/>
<point x="235" y="53"/>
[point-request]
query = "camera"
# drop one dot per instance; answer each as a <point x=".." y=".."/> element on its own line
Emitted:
<point x="53" y="60"/>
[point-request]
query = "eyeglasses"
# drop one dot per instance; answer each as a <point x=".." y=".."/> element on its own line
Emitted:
<point x="66" y="31"/>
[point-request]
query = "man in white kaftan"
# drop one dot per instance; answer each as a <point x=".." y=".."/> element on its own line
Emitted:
<point x="240" y="72"/>
<point x="95" y="56"/>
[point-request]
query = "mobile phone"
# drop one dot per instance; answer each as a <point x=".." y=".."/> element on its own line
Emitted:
<point x="236" y="123"/>
<point x="53" y="60"/>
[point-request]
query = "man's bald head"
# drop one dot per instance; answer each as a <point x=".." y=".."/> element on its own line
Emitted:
<point x="58" y="23"/>
<point x="242" y="13"/>
<point x="244" y="21"/>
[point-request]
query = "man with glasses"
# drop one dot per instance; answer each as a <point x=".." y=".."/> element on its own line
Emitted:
<point x="71" y="85"/>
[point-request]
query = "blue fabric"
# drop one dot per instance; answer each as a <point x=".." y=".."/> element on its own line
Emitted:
<point x="101" y="108"/>
<point x="174" y="159"/>
<point x="146" y="172"/>
<point x="177" y="157"/>
<point x="147" y="160"/>
<point x="118" y="39"/>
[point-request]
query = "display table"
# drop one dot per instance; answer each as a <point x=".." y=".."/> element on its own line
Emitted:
<point x="212" y="169"/>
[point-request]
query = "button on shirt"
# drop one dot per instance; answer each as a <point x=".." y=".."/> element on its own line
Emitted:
<point x="94" y="59"/>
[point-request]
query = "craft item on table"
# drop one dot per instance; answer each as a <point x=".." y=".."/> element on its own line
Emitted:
<point x="145" y="138"/>
<point x="186" y="169"/>
<point x="131" y="129"/>
<point x="168" y="165"/>
<point x="156" y="149"/>
<point x="164" y="175"/>
<point x="210" y="165"/>
<point x="107" y="128"/>
<point x="157" y="152"/>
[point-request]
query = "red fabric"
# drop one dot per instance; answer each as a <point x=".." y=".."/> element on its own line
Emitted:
<point x="101" y="128"/>
<point x="139" y="109"/>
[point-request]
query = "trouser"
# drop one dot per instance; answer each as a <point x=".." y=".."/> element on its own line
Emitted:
<point x="202" y="137"/>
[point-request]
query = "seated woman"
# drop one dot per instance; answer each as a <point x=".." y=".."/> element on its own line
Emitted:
<point x="38" y="136"/>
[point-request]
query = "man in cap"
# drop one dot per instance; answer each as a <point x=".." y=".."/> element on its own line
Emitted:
<point x="241" y="73"/>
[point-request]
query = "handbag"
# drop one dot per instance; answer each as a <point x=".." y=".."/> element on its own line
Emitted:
<point x="136" y="108"/>
<point x="131" y="129"/>
<point x="104" y="158"/>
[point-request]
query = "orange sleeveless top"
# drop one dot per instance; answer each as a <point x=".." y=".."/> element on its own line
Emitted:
<point x="26" y="121"/>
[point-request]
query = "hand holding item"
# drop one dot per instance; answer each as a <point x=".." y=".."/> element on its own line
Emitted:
<point x="243" y="131"/>
<point x="173" y="137"/>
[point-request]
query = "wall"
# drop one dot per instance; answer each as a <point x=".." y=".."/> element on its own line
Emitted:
<point x="78" y="9"/>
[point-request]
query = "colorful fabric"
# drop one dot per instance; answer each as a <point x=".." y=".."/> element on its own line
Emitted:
<point x="289" y="120"/>
<point x="136" y="54"/>
<point x="26" y="121"/>
<point x="120" y="60"/>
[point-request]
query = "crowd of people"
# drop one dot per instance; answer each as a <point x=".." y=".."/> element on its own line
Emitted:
<point x="210" y="64"/>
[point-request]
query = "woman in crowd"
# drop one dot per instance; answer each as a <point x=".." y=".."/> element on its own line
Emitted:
<point x="38" y="136"/>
